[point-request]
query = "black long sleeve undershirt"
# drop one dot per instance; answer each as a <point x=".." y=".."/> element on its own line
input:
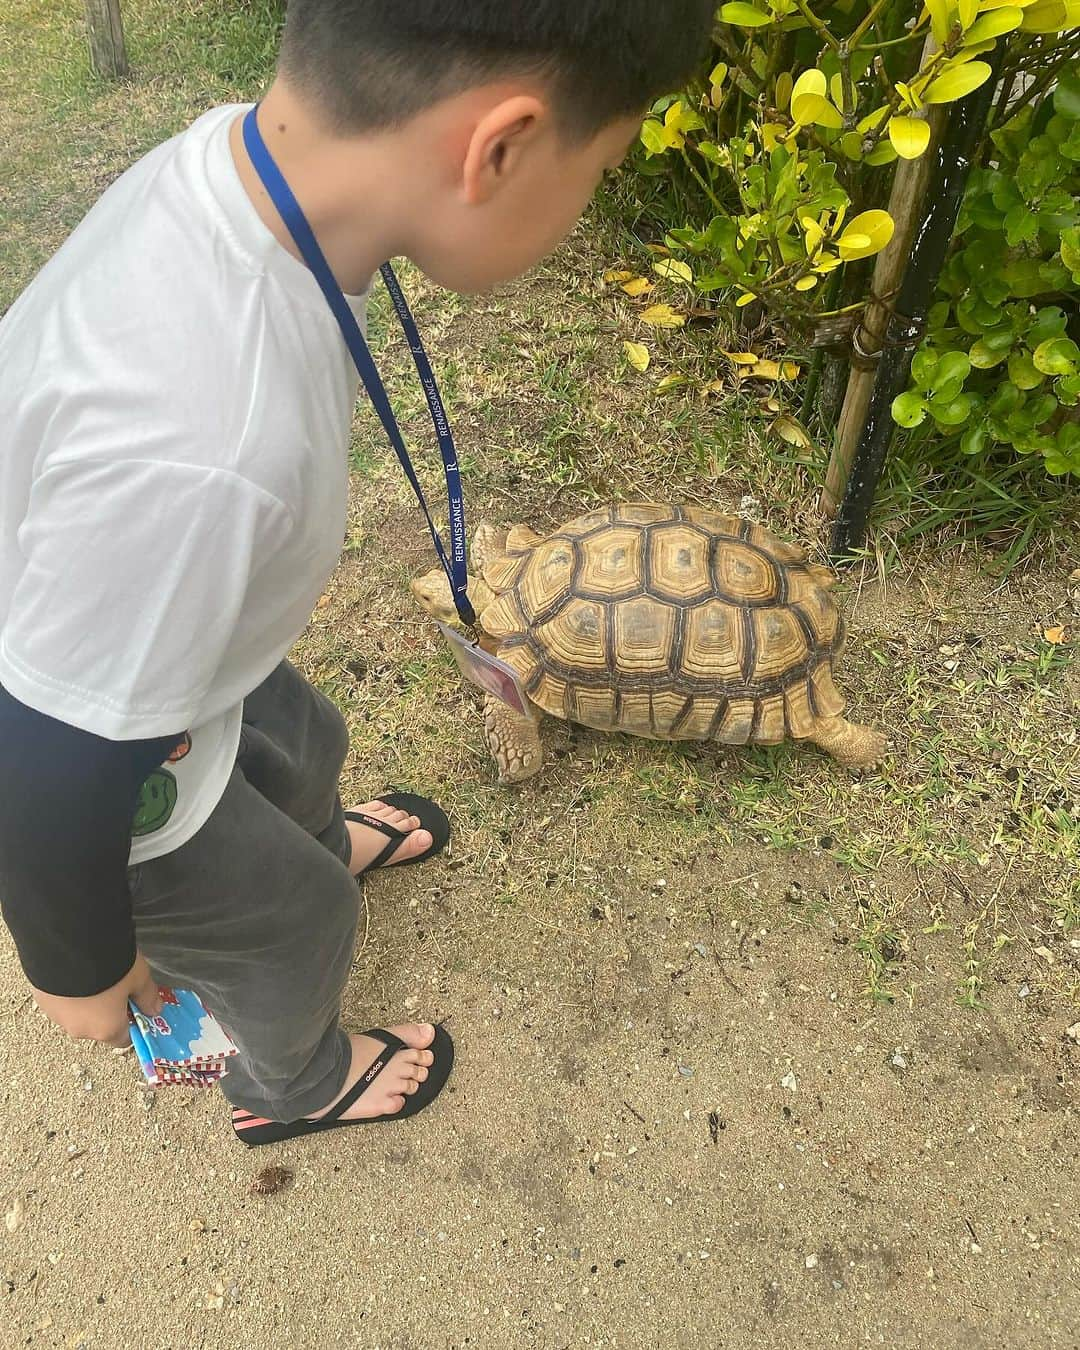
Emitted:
<point x="67" y="799"/>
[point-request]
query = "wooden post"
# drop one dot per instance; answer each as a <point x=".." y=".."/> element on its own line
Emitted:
<point x="106" y="33"/>
<point x="908" y="190"/>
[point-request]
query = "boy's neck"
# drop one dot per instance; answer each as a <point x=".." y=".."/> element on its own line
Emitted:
<point x="348" y="189"/>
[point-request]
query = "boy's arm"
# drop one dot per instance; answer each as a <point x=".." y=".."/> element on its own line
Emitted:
<point x="68" y="798"/>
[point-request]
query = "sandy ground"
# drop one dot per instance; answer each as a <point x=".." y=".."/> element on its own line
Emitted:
<point x="674" y="1133"/>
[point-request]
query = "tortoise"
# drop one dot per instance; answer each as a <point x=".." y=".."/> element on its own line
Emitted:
<point x="666" y="621"/>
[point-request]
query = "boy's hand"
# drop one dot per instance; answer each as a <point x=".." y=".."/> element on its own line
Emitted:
<point x="104" y="1016"/>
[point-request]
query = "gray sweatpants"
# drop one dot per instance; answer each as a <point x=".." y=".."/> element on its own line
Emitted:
<point x="258" y="912"/>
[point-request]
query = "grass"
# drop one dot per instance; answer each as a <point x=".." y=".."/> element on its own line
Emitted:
<point x="962" y="853"/>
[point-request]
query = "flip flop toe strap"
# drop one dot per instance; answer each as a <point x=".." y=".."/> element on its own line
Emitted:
<point x="392" y="1044"/>
<point x="393" y="835"/>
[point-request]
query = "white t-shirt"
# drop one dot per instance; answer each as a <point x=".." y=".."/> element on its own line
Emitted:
<point x="175" y="405"/>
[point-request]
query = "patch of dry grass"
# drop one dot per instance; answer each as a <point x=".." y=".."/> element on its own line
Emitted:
<point x="963" y="850"/>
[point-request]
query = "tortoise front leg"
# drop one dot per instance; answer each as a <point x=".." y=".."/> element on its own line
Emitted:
<point x="513" y="740"/>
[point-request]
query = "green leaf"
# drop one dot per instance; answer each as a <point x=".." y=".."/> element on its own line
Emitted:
<point x="1067" y="390"/>
<point x="923" y="364"/>
<point x="951" y="413"/>
<point x="1021" y="225"/>
<point x="1023" y="371"/>
<point x="1067" y="94"/>
<point x="1006" y="400"/>
<point x="984" y="357"/>
<point x="1049" y="322"/>
<point x="883" y="153"/>
<point x="909" y="409"/>
<point x="1056" y="356"/>
<point x="744" y="16"/>
<point x="957" y="82"/>
<point x="974" y="439"/>
<point x="950" y="366"/>
<point x="1070" y="251"/>
<point x="652" y="137"/>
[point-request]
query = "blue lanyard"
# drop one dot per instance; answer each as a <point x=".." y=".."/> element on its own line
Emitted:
<point x="290" y="211"/>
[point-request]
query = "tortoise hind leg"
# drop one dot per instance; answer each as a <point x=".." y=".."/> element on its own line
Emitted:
<point x="513" y="740"/>
<point x="854" y="746"/>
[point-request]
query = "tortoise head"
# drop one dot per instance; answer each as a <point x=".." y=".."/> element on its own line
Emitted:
<point x="433" y="594"/>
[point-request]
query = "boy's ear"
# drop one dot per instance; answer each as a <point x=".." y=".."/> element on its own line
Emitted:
<point x="499" y="141"/>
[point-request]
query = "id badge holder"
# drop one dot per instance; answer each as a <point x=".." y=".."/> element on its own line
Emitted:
<point x="487" y="672"/>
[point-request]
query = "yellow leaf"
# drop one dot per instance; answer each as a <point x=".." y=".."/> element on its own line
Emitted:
<point x="909" y="135"/>
<point x="910" y="95"/>
<point x="1049" y="16"/>
<point x="662" y="316"/>
<point x="784" y="86"/>
<point x="715" y="387"/>
<point x="871" y="120"/>
<point x="658" y="249"/>
<point x="771" y="135"/>
<point x="742" y="358"/>
<point x="836" y="89"/>
<point x="940" y="22"/>
<point x="993" y="25"/>
<point x="637" y="354"/>
<point x="671" y="381"/>
<point x="718" y="74"/>
<point x="638" y="286"/>
<point x="809" y="82"/>
<point x="968" y="11"/>
<point x="617" y="274"/>
<point x="1055" y="636"/>
<point x="806" y="283"/>
<point x="816" y="109"/>
<point x="774" y="370"/>
<point x="745" y="299"/>
<point x="957" y="82"/>
<point x="788" y="429"/>
<point x="814" y="234"/>
<point x="673" y="270"/>
<point x="875" y="227"/>
<point x="853" y="245"/>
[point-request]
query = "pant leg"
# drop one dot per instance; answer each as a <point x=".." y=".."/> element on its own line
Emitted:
<point x="259" y="918"/>
<point x="293" y="745"/>
<point x="257" y="913"/>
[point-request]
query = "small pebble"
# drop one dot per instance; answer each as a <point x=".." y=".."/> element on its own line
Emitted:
<point x="686" y="1070"/>
<point x="790" y="1082"/>
<point x="1073" y="1033"/>
<point x="811" y="1261"/>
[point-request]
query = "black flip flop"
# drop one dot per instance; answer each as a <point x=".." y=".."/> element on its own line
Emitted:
<point x="431" y="816"/>
<point x="254" y="1131"/>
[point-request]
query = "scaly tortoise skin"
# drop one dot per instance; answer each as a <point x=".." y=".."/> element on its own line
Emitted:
<point x="665" y="621"/>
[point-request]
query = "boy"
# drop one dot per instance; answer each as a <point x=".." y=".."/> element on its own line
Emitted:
<point x="175" y="412"/>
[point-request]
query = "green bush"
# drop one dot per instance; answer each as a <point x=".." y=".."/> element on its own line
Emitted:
<point x="998" y="365"/>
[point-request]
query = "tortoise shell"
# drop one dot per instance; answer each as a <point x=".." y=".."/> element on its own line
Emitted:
<point x="668" y="621"/>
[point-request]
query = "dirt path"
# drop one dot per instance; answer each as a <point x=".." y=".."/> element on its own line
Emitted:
<point x="751" y="1053"/>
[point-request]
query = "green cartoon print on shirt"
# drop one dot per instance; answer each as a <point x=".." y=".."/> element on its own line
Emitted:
<point x="157" y="801"/>
<point x="157" y="796"/>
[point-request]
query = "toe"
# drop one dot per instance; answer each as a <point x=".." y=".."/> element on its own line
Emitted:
<point x="394" y="1105"/>
<point x="421" y="1074"/>
<point x="416" y="1035"/>
<point x="412" y="1086"/>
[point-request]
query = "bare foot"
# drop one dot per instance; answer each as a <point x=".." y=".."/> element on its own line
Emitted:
<point x="400" y="1079"/>
<point x="367" y="843"/>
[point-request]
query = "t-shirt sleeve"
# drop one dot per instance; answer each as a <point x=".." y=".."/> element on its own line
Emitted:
<point x="134" y="581"/>
<point x="65" y="835"/>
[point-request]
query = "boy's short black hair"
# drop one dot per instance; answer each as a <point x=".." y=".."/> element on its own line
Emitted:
<point x="376" y="63"/>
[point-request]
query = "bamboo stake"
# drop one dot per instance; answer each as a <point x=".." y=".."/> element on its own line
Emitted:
<point x="106" y="33"/>
<point x="908" y="190"/>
